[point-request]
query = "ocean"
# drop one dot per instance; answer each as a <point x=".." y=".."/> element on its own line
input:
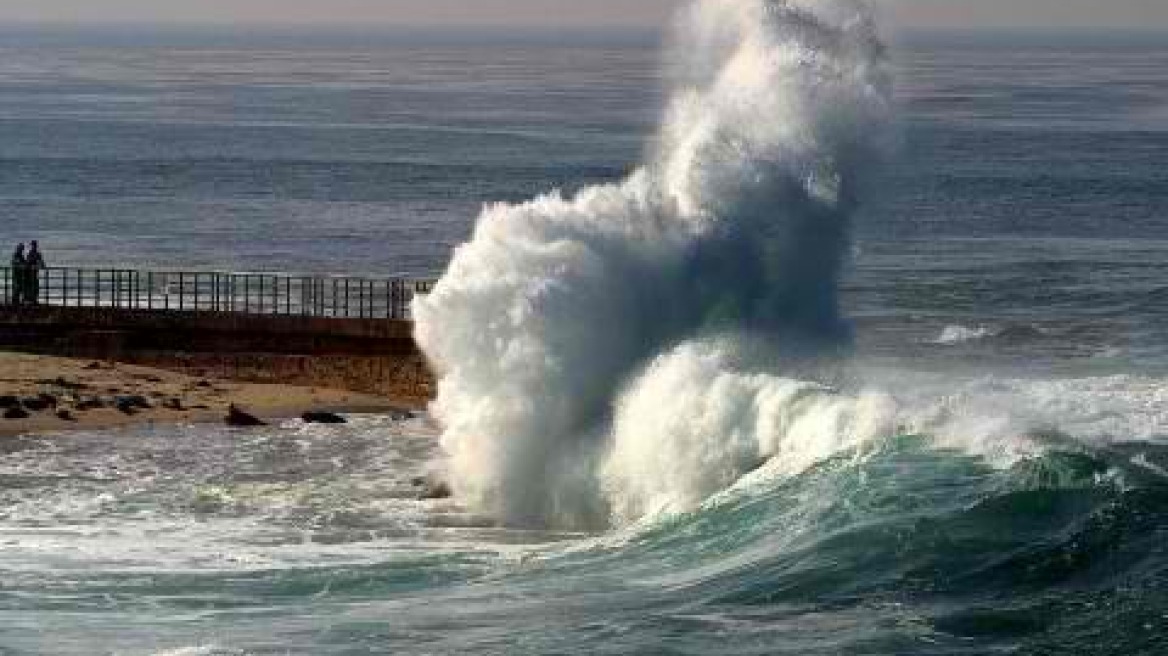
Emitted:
<point x="982" y="470"/>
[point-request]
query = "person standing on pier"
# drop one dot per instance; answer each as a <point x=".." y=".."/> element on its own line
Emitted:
<point x="34" y="263"/>
<point x="16" y="282"/>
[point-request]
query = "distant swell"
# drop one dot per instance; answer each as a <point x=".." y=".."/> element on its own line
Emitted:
<point x="612" y="354"/>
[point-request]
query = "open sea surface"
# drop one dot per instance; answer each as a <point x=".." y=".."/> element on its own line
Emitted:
<point x="1011" y="276"/>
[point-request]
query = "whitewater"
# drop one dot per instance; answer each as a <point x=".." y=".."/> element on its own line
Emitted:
<point x="693" y="409"/>
<point x="562" y="329"/>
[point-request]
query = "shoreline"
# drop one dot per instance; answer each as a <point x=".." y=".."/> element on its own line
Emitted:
<point x="66" y="395"/>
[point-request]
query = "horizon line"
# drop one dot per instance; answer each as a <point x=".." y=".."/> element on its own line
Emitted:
<point x="523" y="27"/>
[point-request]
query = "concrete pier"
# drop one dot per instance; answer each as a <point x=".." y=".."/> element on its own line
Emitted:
<point x="281" y="343"/>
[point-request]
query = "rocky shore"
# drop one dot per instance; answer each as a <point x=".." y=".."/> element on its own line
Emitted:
<point x="44" y="394"/>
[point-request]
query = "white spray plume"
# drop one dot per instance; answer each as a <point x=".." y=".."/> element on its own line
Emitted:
<point x="549" y="330"/>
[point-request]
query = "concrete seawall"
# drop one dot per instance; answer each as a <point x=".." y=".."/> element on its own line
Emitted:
<point x="376" y="356"/>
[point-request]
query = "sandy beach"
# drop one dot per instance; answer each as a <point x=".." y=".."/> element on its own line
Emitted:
<point x="63" y="394"/>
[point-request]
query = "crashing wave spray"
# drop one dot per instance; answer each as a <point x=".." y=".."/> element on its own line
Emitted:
<point x="561" y="312"/>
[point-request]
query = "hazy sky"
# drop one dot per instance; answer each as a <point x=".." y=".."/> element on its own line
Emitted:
<point x="636" y="13"/>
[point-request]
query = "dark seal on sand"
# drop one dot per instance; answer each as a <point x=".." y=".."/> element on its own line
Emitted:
<point x="323" y="418"/>
<point x="240" y="419"/>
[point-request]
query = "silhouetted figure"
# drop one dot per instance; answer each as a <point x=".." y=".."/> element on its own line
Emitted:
<point x="17" y="284"/>
<point x="33" y="265"/>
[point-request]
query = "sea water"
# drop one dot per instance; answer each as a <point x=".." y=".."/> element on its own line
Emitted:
<point x="982" y="472"/>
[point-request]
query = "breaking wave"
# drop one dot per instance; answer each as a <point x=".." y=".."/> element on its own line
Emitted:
<point x="736" y="225"/>
<point x="594" y="349"/>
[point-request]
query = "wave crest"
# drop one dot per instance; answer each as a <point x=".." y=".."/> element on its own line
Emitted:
<point x="737" y="224"/>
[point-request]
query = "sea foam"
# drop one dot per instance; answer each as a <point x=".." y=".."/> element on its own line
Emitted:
<point x="590" y="349"/>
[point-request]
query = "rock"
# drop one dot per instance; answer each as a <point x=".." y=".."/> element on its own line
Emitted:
<point x="9" y="401"/>
<point x="94" y="366"/>
<point x="175" y="404"/>
<point x="62" y="383"/>
<point x="397" y="414"/>
<point x="16" y="413"/>
<point x="435" y="490"/>
<point x="240" y="419"/>
<point x="131" y="404"/>
<point x="432" y="489"/>
<point x="65" y="415"/>
<point x="39" y="403"/>
<point x="323" y="418"/>
<point x="204" y="384"/>
<point x="134" y="401"/>
<point x="90" y="403"/>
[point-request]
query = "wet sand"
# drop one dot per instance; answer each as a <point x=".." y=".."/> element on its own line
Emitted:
<point x="62" y="394"/>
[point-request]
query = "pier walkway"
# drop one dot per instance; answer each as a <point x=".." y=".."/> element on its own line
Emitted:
<point x="277" y="294"/>
<point x="327" y="331"/>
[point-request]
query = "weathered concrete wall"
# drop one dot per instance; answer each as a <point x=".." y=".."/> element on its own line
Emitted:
<point x="367" y="355"/>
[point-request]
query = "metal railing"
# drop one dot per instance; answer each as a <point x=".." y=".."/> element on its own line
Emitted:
<point x="203" y="291"/>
